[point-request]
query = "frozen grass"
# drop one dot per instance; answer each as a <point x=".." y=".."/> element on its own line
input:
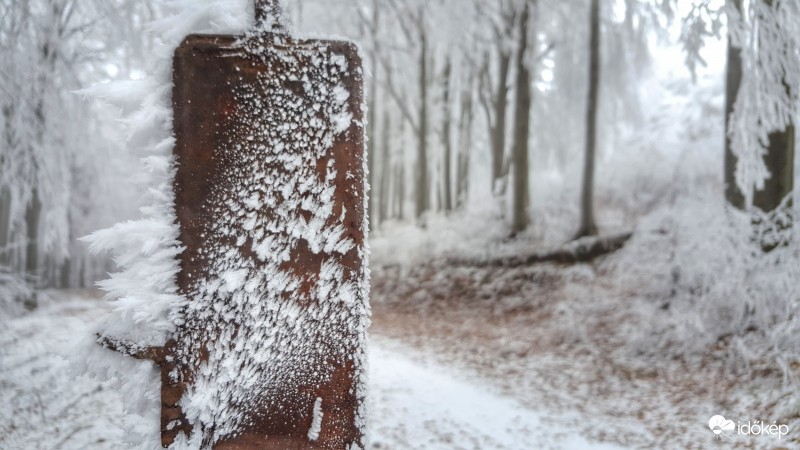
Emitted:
<point x="42" y="403"/>
<point x="12" y="288"/>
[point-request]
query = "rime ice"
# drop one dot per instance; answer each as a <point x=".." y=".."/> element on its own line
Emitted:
<point x="276" y="283"/>
<point x="267" y="327"/>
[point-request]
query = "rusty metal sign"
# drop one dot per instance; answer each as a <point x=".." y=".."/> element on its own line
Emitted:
<point x="269" y="196"/>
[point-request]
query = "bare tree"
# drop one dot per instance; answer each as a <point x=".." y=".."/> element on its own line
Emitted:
<point x="386" y="168"/>
<point x="464" y="143"/>
<point x="779" y="159"/>
<point x="372" y="25"/>
<point x="494" y="95"/>
<point x="761" y="108"/>
<point x="447" y="140"/>
<point x="587" y="225"/>
<point x="522" y="103"/>
<point x="733" y="79"/>
<point x="422" y="190"/>
<point x="400" y="175"/>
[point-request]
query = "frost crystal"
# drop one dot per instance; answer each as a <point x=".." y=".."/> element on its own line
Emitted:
<point x="316" y="423"/>
<point x="277" y="311"/>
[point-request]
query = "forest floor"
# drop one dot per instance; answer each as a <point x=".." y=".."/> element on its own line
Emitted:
<point x="535" y="357"/>
<point x="558" y="338"/>
<point x="415" y="403"/>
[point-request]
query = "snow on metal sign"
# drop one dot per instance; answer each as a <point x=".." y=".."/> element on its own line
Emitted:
<point x="269" y="347"/>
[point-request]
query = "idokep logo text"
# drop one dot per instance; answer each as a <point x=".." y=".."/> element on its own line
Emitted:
<point x="721" y="426"/>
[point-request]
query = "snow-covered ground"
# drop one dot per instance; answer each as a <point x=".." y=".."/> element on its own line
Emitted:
<point x="414" y="403"/>
<point x="426" y="406"/>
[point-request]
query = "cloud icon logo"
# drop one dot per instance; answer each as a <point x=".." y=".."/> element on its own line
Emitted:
<point x="718" y="424"/>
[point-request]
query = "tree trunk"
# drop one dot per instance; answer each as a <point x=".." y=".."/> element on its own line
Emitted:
<point x="400" y="176"/>
<point x="33" y="215"/>
<point x="82" y="273"/>
<point x="372" y="118"/>
<point x="779" y="157"/>
<point x="5" y="193"/>
<point x="520" y="218"/>
<point x="371" y="151"/>
<point x="448" y="142"/>
<point x="386" y="169"/>
<point x="5" y="226"/>
<point x="779" y="160"/>
<point x="423" y="194"/>
<point x="464" y="144"/>
<point x="587" y="225"/>
<point x="65" y="277"/>
<point x="400" y="194"/>
<point x="780" y="163"/>
<point x="498" y="130"/>
<point x="581" y="251"/>
<point x="733" y="79"/>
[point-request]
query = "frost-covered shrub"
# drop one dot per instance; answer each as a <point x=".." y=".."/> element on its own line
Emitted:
<point x="12" y="288"/>
<point x="704" y="279"/>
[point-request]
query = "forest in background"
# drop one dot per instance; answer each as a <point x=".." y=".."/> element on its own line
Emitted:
<point x="494" y="127"/>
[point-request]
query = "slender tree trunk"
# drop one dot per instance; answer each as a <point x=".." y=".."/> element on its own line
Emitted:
<point x="372" y="117"/>
<point x="439" y="194"/>
<point x="520" y="218"/>
<point x="5" y="193"/>
<point x="400" y="176"/>
<point x="464" y="144"/>
<point x="386" y="168"/>
<point x="32" y="217"/>
<point x="587" y="224"/>
<point x="498" y="131"/>
<point x="423" y="193"/>
<point x="733" y="79"/>
<point x="448" y="142"/>
<point x="5" y="226"/>
<point x="401" y="192"/>
<point x="371" y="151"/>
<point x="65" y="277"/>
<point x="82" y="274"/>
<point x="47" y="270"/>
<point x="6" y="198"/>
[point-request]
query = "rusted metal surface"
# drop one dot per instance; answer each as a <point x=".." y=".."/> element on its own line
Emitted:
<point x="282" y="340"/>
<point x="206" y="70"/>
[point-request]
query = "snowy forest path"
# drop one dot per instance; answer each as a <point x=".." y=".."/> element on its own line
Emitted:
<point x="418" y="404"/>
<point x="413" y="403"/>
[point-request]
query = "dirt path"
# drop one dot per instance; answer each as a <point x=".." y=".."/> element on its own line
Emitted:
<point x="418" y="404"/>
<point x="559" y="338"/>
